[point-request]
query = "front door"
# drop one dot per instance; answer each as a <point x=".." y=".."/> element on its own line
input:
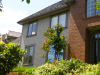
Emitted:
<point x="95" y="49"/>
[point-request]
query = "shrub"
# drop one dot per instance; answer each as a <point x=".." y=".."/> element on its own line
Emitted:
<point x="69" y="67"/>
<point x="10" y="55"/>
<point x="59" y="67"/>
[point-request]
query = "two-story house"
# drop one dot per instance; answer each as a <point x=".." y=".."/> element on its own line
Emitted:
<point x="81" y="22"/>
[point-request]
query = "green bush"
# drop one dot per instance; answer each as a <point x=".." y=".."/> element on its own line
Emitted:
<point x="59" y="67"/>
<point x="69" y="67"/>
<point x="10" y="55"/>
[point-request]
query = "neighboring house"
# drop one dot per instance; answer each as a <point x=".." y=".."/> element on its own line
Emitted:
<point x="81" y="22"/>
<point x="12" y="36"/>
<point x="0" y="38"/>
<point x="3" y="37"/>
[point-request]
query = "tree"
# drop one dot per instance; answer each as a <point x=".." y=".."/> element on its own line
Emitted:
<point x="54" y="37"/>
<point x="97" y="5"/>
<point x="1" y="5"/>
<point x="27" y="1"/>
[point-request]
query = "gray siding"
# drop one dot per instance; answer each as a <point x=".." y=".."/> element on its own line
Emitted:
<point x="38" y="39"/>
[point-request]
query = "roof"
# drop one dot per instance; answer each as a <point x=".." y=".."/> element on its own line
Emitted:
<point x="14" y="34"/>
<point x="55" y="7"/>
<point x="67" y="1"/>
<point x="17" y="41"/>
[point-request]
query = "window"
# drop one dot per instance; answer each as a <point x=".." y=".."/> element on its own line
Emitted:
<point x="51" y="54"/>
<point x="91" y="11"/>
<point x="32" y="29"/>
<point x="62" y="20"/>
<point x="59" y="19"/>
<point x="54" y="21"/>
<point x="28" y="58"/>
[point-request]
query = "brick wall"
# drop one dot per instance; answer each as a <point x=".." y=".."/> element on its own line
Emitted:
<point x="15" y="73"/>
<point x="79" y="43"/>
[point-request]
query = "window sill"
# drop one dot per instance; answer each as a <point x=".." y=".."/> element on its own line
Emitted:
<point x="27" y="64"/>
<point x="65" y="27"/>
<point x="92" y="17"/>
<point x="31" y="35"/>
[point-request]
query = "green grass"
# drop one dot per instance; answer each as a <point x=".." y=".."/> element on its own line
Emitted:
<point x="25" y="70"/>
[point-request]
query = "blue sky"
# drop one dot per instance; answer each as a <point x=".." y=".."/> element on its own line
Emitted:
<point x="15" y="10"/>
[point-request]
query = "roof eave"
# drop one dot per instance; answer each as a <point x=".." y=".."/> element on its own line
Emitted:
<point x="42" y="16"/>
<point x="69" y="2"/>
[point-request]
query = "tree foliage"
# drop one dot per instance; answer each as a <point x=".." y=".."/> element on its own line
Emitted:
<point x="10" y="55"/>
<point x="97" y="5"/>
<point x="1" y="5"/>
<point x="54" y="37"/>
<point x="27" y="1"/>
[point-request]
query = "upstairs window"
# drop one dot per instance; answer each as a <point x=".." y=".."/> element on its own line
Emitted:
<point x="54" y="21"/>
<point x="61" y="19"/>
<point x="28" y="58"/>
<point x="91" y="11"/>
<point x="32" y="29"/>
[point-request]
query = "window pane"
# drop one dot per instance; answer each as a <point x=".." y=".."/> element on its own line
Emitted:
<point x="97" y="12"/>
<point x="62" y="20"/>
<point x="96" y="36"/>
<point x="90" y="8"/>
<point x="61" y="54"/>
<point x="51" y="54"/>
<point x="26" y="57"/>
<point x="30" y="55"/>
<point x="30" y="30"/>
<point x="99" y="35"/>
<point x="31" y="51"/>
<point x="54" y="21"/>
<point x="34" y="28"/>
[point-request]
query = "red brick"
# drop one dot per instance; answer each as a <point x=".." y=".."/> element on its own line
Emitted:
<point x="79" y="44"/>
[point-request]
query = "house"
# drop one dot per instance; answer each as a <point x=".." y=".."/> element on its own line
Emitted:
<point x="81" y="22"/>
<point x="11" y="36"/>
<point x="0" y="38"/>
<point x="3" y="37"/>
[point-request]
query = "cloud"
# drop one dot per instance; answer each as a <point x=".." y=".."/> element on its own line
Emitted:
<point x="9" y="18"/>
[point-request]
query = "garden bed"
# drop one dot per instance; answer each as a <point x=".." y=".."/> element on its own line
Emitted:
<point x="69" y="67"/>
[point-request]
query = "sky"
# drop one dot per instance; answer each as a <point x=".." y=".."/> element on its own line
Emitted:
<point x="15" y="10"/>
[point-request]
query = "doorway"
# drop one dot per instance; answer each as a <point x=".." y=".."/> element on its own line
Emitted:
<point x="95" y="49"/>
